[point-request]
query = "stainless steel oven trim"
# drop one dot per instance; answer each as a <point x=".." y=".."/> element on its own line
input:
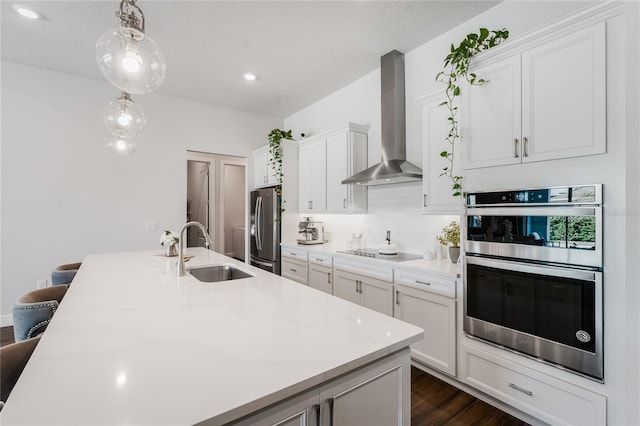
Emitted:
<point x="538" y="253"/>
<point x="597" y="187"/>
<point x="590" y="365"/>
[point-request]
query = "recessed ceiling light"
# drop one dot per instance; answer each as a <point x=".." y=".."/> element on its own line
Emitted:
<point x="26" y="12"/>
<point x="249" y="76"/>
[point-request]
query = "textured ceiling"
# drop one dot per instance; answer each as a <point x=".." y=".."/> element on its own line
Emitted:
<point x="301" y="51"/>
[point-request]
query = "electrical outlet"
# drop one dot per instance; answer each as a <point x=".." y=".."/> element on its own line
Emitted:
<point x="43" y="283"/>
<point x="151" y="226"/>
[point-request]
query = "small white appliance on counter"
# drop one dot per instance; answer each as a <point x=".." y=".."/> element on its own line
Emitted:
<point x="312" y="232"/>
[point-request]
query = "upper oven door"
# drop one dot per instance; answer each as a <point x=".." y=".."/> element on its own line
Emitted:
<point x="559" y="234"/>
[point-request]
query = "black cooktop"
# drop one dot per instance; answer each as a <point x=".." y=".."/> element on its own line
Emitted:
<point x="374" y="253"/>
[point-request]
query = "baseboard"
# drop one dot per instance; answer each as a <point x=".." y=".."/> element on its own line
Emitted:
<point x="6" y="320"/>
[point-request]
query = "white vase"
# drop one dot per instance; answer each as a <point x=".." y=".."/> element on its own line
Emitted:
<point x="171" y="251"/>
<point x="454" y="254"/>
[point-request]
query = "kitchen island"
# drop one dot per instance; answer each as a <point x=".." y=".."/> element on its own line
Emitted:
<point x="133" y="344"/>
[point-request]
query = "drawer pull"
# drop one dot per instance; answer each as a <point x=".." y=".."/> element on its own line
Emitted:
<point x="422" y="282"/>
<point x="320" y="260"/>
<point x="292" y="270"/>
<point x="518" y="388"/>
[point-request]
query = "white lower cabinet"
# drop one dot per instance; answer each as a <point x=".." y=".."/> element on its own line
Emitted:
<point x="294" y="264"/>
<point x="321" y="277"/>
<point x="294" y="270"/>
<point x="540" y="395"/>
<point x="365" y="291"/>
<point x="378" y="394"/>
<point x="436" y="314"/>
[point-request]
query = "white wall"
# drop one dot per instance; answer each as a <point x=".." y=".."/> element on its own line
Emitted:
<point x="64" y="196"/>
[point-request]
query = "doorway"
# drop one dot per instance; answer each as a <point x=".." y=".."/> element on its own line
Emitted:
<point x="216" y="197"/>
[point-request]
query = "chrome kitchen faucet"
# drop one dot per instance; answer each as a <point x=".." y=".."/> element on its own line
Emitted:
<point x="208" y="242"/>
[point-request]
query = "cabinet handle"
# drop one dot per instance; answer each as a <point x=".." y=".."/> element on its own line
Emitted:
<point x="316" y="407"/>
<point x="515" y="148"/>
<point x="330" y="402"/>
<point x="518" y="388"/>
<point x="320" y="260"/>
<point x="310" y="205"/>
<point x="344" y="203"/>
<point x="422" y="282"/>
<point x="328" y="277"/>
<point x="424" y="200"/>
<point x="292" y="270"/>
<point x="397" y="297"/>
<point x="525" y="147"/>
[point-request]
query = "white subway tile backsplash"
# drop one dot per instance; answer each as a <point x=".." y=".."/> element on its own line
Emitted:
<point x="397" y="208"/>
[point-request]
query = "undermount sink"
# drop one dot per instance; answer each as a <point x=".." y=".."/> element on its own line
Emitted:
<point x="214" y="274"/>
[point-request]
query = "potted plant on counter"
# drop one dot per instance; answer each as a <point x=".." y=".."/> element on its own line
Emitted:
<point x="451" y="235"/>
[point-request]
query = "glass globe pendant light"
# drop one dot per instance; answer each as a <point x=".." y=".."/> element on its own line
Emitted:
<point x="122" y="146"/>
<point x="123" y="117"/>
<point x="127" y="57"/>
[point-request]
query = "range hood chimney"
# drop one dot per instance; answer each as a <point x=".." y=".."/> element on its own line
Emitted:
<point x="393" y="168"/>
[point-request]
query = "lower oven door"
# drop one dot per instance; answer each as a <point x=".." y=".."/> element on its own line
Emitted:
<point x="551" y="313"/>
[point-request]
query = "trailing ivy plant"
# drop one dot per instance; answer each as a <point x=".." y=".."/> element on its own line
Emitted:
<point x="456" y="67"/>
<point x="275" y="161"/>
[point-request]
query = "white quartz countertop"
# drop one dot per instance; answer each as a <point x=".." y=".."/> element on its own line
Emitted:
<point x="133" y="344"/>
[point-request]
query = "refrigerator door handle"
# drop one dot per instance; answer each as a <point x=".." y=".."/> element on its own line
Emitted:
<point x="261" y="263"/>
<point x="259" y="214"/>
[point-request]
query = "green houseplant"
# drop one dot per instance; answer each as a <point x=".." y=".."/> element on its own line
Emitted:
<point x="275" y="161"/>
<point x="456" y="67"/>
<point x="451" y="235"/>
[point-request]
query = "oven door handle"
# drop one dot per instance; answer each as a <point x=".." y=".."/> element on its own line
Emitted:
<point x="550" y="270"/>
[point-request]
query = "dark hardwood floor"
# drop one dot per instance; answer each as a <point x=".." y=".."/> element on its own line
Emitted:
<point x="433" y="402"/>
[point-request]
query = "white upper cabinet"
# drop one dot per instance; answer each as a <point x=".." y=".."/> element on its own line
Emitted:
<point x="264" y="173"/>
<point x="437" y="195"/>
<point x="547" y="102"/>
<point x="325" y="160"/>
<point x="313" y="176"/>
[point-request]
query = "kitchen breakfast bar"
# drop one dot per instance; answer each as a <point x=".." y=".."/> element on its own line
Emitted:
<point x="134" y="344"/>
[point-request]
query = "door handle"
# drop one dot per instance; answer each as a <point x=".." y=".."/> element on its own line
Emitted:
<point x="330" y="402"/>
<point x="515" y="148"/>
<point x="397" y="297"/>
<point x="328" y="277"/>
<point x="344" y="203"/>
<point x="424" y="200"/>
<point x="316" y="408"/>
<point x="518" y="388"/>
<point x="259" y="223"/>
<point x="525" y="147"/>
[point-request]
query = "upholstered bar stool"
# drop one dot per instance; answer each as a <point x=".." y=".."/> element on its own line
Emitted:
<point x="33" y="311"/>
<point x="64" y="274"/>
<point x="13" y="359"/>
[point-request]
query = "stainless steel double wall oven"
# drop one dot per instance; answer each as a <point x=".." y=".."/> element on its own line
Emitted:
<point x="533" y="274"/>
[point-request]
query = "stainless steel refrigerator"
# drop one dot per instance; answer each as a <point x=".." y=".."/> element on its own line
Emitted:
<point x="265" y="230"/>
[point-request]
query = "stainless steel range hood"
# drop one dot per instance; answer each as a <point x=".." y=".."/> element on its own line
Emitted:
<point x="393" y="168"/>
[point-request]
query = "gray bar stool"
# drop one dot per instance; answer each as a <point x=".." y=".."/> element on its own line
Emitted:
<point x="64" y="274"/>
<point x="13" y="359"/>
<point x="33" y="311"/>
